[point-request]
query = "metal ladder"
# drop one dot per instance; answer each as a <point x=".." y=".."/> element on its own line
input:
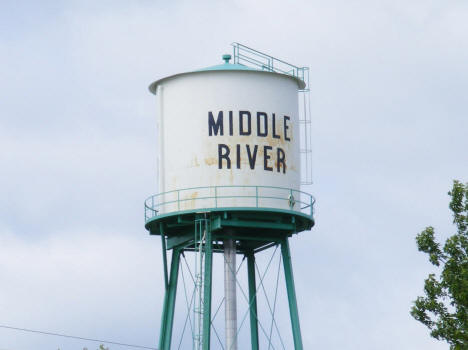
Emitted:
<point x="201" y="226"/>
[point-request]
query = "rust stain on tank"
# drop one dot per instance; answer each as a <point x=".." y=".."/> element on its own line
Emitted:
<point x="272" y="141"/>
<point x="192" y="203"/>
<point x="211" y="161"/>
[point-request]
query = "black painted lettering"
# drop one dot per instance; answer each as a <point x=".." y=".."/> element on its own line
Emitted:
<point x="266" y="157"/>
<point x="252" y="157"/>
<point x="238" y="158"/>
<point x="273" y="122"/>
<point x="280" y="157"/>
<point x="286" y="127"/>
<point x="265" y="124"/>
<point x="231" y="129"/>
<point x="241" y="123"/>
<point x="215" y="127"/>
<point x="223" y="153"/>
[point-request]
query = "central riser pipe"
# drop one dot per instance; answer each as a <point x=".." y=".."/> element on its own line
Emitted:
<point x="230" y="294"/>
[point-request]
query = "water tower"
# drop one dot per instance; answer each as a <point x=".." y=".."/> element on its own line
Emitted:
<point x="233" y="150"/>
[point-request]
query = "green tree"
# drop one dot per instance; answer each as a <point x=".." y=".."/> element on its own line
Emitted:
<point x="444" y="307"/>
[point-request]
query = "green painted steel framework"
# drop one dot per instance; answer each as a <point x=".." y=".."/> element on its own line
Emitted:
<point x="253" y="231"/>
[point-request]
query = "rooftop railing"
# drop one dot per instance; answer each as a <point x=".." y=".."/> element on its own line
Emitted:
<point x="251" y="57"/>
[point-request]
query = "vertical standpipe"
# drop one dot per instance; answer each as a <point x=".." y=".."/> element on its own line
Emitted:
<point x="230" y="294"/>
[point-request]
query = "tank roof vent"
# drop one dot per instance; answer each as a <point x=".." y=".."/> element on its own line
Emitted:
<point x="227" y="58"/>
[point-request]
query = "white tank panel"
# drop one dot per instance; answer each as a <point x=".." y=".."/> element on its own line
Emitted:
<point x="205" y="139"/>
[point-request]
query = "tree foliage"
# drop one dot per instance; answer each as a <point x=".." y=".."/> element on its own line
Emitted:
<point x="444" y="307"/>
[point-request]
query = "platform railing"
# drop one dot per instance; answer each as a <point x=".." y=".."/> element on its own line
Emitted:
<point x="264" y="197"/>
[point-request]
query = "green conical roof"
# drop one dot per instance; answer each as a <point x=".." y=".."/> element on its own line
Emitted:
<point x="226" y="66"/>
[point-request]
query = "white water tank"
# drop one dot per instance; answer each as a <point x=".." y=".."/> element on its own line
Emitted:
<point x="228" y="137"/>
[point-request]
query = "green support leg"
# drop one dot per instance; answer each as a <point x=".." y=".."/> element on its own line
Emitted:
<point x="207" y="289"/>
<point x="166" y="287"/>
<point x="296" y="329"/>
<point x="164" y="251"/>
<point x="169" y="302"/>
<point x="162" y="332"/>
<point x="252" y="300"/>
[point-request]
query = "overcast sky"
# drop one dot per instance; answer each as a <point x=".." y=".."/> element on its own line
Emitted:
<point x="389" y="84"/>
